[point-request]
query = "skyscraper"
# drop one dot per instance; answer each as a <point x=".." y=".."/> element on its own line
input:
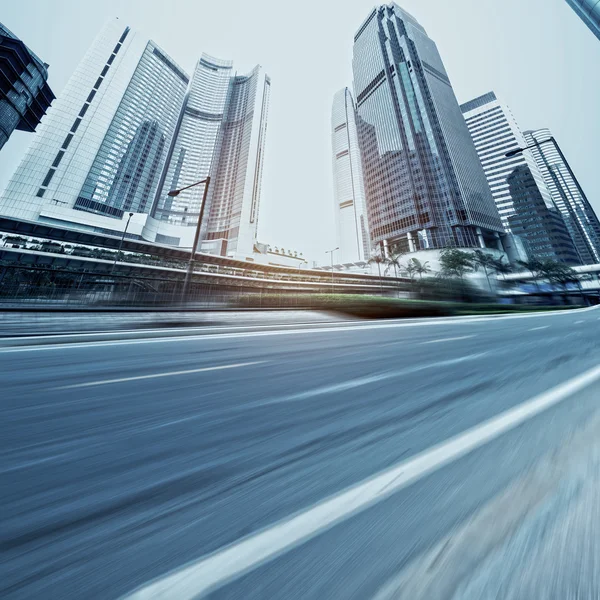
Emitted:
<point x="131" y="126"/>
<point x="193" y="151"/>
<point x="350" y="204"/>
<point x="101" y="149"/>
<point x="522" y="198"/>
<point x="24" y="94"/>
<point x="234" y="200"/>
<point x="589" y="12"/>
<point x="567" y="194"/>
<point x="424" y="183"/>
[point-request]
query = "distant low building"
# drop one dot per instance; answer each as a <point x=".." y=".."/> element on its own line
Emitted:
<point x="24" y="94"/>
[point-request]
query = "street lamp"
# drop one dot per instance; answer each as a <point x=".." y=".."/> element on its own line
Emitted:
<point x="190" y="267"/>
<point x="332" y="282"/>
<point x="121" y="244"/>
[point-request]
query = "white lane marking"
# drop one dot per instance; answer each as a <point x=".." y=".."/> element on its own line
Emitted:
<point x="248" y="553"/>
<point x="354" y="383"/>
<point x="450" y="339"/>
<point x="579" y="322"/>
<point x="328" y="329"/>
<point x="538" y="328"/>
<point x="156" y="375"/>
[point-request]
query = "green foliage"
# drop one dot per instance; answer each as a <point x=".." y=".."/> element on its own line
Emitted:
<point x="456" y="263"/>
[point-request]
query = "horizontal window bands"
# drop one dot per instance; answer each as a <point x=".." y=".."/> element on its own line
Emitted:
<point x="341" y="154"/>
<point x="374" y="84"/>
<point x="58" y="158"/>
<point x="67" y="141"/>
<point x="346" y="204"/>
<point x="340" y="127"/>
<point x="48" y="177"/>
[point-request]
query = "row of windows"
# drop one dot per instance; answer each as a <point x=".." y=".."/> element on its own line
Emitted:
<point x="82" y="112"/>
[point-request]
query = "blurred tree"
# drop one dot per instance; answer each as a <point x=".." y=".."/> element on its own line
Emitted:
<point x="486" y="262"/>
<point x="456" y="263"/>
<point x="379" y="259"/>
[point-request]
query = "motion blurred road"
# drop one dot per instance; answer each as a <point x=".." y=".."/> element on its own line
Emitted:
<point x="315" y="461"/>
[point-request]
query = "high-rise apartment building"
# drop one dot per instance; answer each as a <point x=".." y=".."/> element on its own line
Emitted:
<point x="567" y="194"/>
<point x="129" y="127"/>
<point x="424" y="183"/>
<point x="518" y="188"/>
<point x="24" y="94"/>
<point x="589" y="12"/>
<point x="350" y="208"/>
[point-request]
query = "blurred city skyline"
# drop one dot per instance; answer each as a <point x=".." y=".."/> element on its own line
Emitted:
<point x="534" y="55"/>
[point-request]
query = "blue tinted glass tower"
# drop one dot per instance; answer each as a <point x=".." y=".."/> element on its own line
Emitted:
<point x="424" y="183"/>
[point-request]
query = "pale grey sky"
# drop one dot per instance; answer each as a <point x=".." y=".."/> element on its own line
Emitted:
<point x="535" y="54"/>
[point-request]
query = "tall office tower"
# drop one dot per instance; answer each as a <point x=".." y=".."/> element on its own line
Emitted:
<point x="567" y="194"/>
<point x="192" y="154"/>
<point x="222" y="134"/>
<point x="589" y="11"/>
<point x="234" y="200"/>
<point x="522" y="198"/>
<point x="24" y="94"/>
<point x="424" y="183"/>
<point x="350" y="204"/>
<point x="100" y="151"/>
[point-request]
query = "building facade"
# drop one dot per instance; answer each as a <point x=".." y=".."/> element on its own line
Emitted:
<point x="523" y="200"/>
<point x="130" y="126"/>
<point x="589" y="12"/>
<point x="24" y="94"/>
<point x="234" y="199"/>
<point x="350" y="208"/>
<point x="191" y="157"/>
<point x="424" y="184"/>
<point x="567" y="194"/>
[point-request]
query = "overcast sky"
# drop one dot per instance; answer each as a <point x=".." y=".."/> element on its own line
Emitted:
<point x="535" y="54"/>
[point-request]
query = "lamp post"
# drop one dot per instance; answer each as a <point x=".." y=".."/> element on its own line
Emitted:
<point x="190" y="267"/>
<point x="121" y="244"/>
<point x="332" y="281"/>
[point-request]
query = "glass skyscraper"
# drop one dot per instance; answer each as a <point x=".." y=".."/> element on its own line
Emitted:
<point x="24" y="94"/>
<point x="129" y="127"/>
<point x="589" y="11"/>
<point x="567" y="194"/>
<point x="192" y="155"/>
<point x="424" y="183"/>
<point x="234" y="200"/>
<point x="222" y="133"/>
<point x="350" y="208"/>
<point x="104" y="142"/>
<point x="522" y="198"/>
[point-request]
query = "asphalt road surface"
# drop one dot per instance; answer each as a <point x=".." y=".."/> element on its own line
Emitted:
<point x="450" y="458"/>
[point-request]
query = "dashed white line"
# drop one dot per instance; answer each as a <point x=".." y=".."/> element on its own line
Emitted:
<point x="579" y="322"/>
<point x="539" y="328"/>
<point x="450" y="339"/>
<point x="156" y="375"/>
<point x="231" y="562"/>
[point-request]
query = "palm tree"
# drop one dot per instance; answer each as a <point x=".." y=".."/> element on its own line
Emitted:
<point x="421" y="268"/>
<point x="378" y="258"/>
<point x="535" y="267"/>
<point x="485" y="261"/>
<point x="393" y="261"/>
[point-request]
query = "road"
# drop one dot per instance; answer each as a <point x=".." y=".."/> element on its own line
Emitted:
<point x="449" y="458"/>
